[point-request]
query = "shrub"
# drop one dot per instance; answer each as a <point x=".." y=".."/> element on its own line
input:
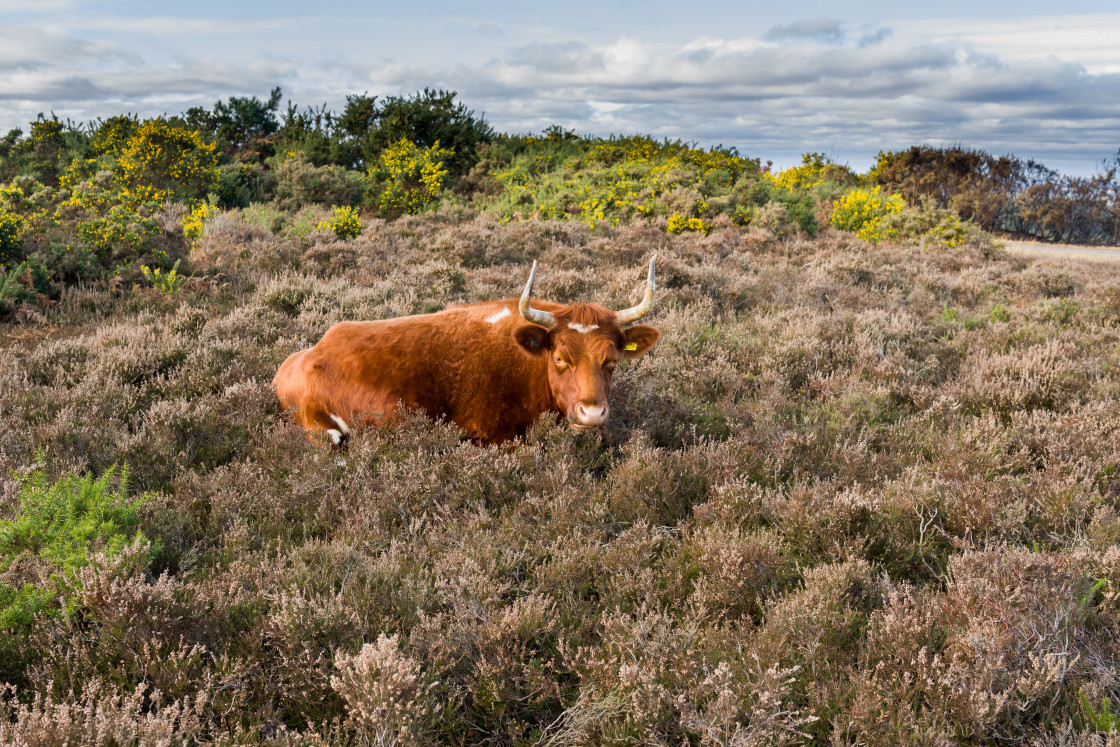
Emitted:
<point x="198" y="220"/>
<point x="57" y="527"/>
<point x="680" y="223"/>
<point x="814" y="171"/>
<point x="168" y="283"/>
<point x="344" y="223"/>
<point x="123" y="231"/>
<point x="930" y="226"/>
<point x="861" y="211"/>
<point x="241" y="184"/>
<point x="300" y="183"/>
<point x="22" y="283"/>
<point x="607" y="182"/>
<point x="98" y="225"/>
<point x="384" y="692"/>
<point x="99" y="715"/>
<point x="11" y="236"/>
<point x="113" y="135"/>
<point x="427" y="118"/>
<point x="164" y="160"/>
<point x="414" y="177"/>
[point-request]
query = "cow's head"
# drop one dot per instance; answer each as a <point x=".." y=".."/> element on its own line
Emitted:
<point x="582" y="344"/>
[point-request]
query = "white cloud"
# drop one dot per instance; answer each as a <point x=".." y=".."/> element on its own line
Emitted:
<point x="814" y="85"/>
<point x="185" y="26"/>
<point x="1087" y="40"/>
<point x="820" y="28"/>
<point x="25" y="47"/>
<point x="35" y="6"/>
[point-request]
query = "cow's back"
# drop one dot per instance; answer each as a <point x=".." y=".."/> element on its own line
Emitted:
<point x="461" y="364"/>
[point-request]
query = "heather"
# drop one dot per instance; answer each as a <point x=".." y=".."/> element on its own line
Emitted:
<point x="858" y="493"/>
<point x="866" y="489"/>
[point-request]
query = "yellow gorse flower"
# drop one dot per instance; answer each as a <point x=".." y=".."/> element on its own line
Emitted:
<point x="682" y="223"/>
<point x="345" y="223"/>
<point x="197" y="221"/>
<point x="861" y="211"/>
<point x="169" y="282"/>
<point x="616" y="180"/>
<point x="415" y="176"/>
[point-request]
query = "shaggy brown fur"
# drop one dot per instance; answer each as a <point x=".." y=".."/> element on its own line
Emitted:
<point x="491" y="378"/>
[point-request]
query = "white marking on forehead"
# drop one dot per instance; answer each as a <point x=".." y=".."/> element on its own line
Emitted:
<point x="345" y="429"/>
<point x="498" y="316"/>
<point x="336" y="436"/>
<point x="583" y="328"/>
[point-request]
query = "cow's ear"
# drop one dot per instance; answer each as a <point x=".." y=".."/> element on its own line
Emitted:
<point x="532" y="340"/>
<point x="637" y="340"/>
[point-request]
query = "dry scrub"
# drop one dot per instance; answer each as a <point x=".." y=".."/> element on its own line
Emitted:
<point x="857" y="495"/>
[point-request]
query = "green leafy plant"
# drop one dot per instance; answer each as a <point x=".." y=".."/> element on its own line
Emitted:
<point x="1102" y="719"/>
<point x="22" y="283"/>
<point x="170" y="282"/>
<point x="57" y="527"/>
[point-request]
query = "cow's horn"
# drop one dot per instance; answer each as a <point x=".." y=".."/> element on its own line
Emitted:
<point x="536" y="316"/>
<point x="634" y="313"/>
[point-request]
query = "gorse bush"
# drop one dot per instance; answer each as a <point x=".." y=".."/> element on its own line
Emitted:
<point x="163" y="160"/>
<point x="170" y="282"/>
<point x="105" y="218"/>
<point x="679" y="223"/>
<point x="343" y="223"/>
<point x="11" y="236"/>
<point x="198" y="220"/>
<point x="605" y="183"/>
<point x="414" y="177"/>
<point x="815" y="171"/>
<point x="862" y="212"/>
<point x="114" y="135"/>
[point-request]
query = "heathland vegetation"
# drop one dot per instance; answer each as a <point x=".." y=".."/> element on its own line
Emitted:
<point x="866" y="490"/>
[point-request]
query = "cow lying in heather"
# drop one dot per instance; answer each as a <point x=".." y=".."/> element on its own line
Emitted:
<point x="480" y="366"/>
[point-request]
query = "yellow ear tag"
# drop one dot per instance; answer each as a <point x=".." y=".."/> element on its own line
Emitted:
<point x="630" y="346"/>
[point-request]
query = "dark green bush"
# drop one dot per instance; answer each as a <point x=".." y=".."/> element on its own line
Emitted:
<point x="299" y="182"/>
<point x="22" y="282"/>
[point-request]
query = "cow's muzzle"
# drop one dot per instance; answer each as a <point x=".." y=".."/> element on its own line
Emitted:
<point x="585" y="416"/>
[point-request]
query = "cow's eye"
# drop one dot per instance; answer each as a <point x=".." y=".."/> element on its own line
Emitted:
<point x="610" y="365"/>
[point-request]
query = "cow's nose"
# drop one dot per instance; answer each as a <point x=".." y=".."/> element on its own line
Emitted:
<point x="589" y="414"/>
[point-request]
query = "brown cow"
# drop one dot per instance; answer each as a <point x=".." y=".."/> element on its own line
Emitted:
<point x="479" y="366"/>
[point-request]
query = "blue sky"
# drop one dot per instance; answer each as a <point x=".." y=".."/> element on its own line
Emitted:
<point x="773" y="79"/>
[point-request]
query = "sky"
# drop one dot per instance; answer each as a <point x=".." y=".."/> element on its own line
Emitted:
<point x="846" y="77"/>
